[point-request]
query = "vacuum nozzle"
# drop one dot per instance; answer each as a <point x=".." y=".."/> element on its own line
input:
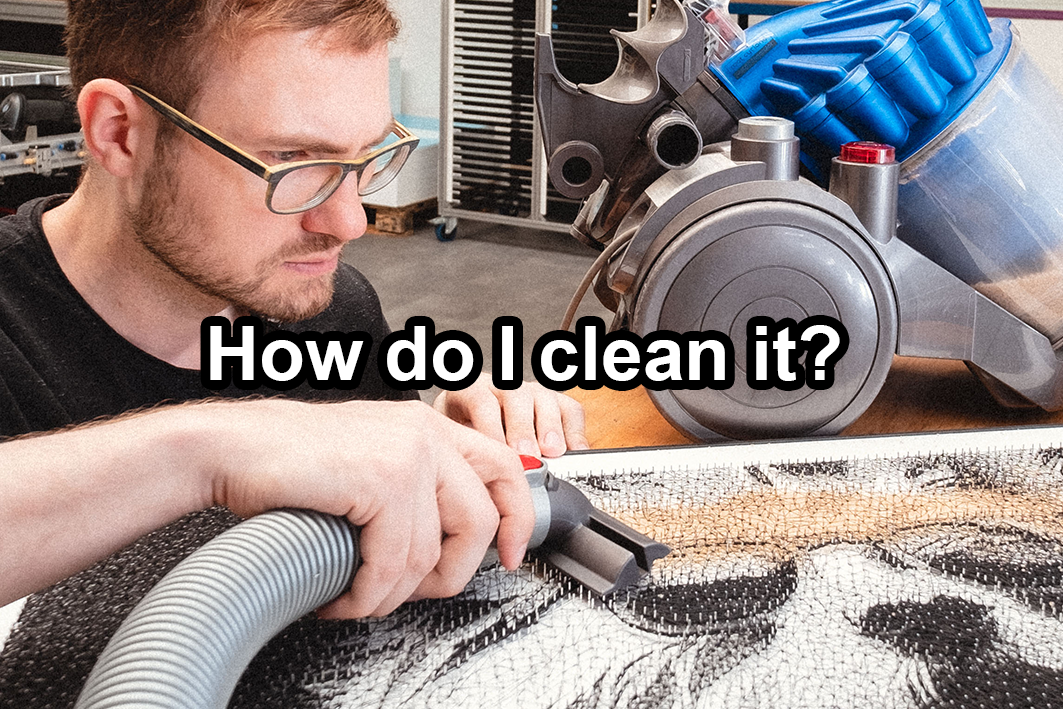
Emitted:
<point x="594" y="548"/>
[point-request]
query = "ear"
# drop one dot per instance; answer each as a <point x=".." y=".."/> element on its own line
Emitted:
<point x="119" y="129"/>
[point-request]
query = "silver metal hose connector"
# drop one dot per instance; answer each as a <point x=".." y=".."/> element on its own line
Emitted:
<point x="674" y="140"/>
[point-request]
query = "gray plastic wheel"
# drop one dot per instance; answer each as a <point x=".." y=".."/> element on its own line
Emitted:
<point x="781" y="260"/>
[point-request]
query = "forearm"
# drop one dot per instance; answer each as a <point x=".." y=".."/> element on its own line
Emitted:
<point x="70" y="498"/>
<point x="402" y="472"/>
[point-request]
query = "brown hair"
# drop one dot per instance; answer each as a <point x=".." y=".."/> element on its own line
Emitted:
<point x="165" y="46"/>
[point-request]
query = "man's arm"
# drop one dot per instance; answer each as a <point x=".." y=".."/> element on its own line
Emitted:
<point x="428" y="493"/>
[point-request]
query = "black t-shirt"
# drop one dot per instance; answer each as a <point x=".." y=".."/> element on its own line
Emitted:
<point x="61" y="364"/>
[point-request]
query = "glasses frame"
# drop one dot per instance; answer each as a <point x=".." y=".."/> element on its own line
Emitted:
<point x="272" y="174"/>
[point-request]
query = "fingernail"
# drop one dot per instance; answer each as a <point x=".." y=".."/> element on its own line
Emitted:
<point x="527" y="447"/>
<point x="519" y="558"/>
<point x="553" y="442"/>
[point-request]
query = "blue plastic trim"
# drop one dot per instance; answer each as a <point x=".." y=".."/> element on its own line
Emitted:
<point x="893" y="71"/>
<point x="754" y="8"/>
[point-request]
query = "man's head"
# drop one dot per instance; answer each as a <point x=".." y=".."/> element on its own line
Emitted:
<point x="285" y="81"/>
<point x="168" y="46"/>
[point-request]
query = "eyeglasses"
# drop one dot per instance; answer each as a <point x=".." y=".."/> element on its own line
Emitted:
<point x="298" y="186"/>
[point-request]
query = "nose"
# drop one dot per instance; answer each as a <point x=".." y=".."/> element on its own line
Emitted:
<point x="341" y="215"/>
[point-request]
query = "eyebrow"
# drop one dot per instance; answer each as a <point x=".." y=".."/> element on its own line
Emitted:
<point x="324" y="147"/>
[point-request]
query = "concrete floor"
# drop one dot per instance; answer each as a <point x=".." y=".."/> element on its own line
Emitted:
<point x="488" y="271"/>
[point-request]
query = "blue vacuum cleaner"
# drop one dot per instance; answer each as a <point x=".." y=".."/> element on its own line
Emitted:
<point x="892" y="164"/>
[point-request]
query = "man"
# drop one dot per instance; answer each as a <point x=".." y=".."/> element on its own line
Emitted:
<point x="102" y="296"/>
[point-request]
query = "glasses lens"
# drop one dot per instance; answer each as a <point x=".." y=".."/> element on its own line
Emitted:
<point x="382" y="170"/>
<point x="305" y="187"/>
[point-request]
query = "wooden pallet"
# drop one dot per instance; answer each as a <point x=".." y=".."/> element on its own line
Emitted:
<point x="400" y="221"/>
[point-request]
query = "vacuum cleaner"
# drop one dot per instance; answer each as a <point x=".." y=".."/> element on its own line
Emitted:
<point x="892" y="164"/>
<point x="190" y="638"/>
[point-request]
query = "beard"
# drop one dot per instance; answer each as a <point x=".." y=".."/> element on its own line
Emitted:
<point x="171" y="233"/>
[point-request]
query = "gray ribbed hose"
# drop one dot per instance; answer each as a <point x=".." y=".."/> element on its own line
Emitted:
<point x="192" y="636"/>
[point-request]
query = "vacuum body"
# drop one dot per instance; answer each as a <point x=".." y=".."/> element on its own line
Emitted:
<point x="950" y="249"/>
<point x="974" y="123"/>
<point x="983" y="197"/>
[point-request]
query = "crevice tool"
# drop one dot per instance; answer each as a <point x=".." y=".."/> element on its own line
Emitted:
<point x="599" y="551"/>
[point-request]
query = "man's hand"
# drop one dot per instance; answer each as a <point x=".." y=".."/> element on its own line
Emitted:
<point x="428" y="494"/>
<point x="532" y="419"/>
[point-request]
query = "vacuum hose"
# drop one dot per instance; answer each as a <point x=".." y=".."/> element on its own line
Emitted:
<point x="192" y="636"/>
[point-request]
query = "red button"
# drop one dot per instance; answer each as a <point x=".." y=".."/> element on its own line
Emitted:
<point x="867" y="152"/>
<point x="531" y="462"/>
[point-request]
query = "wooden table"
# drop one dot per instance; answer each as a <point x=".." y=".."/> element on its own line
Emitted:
<point x="919" y="395"/>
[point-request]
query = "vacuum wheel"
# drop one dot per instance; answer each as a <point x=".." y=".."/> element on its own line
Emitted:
<point x="780" y="260"/>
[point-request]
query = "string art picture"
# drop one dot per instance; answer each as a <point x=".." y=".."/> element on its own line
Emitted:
<point x="915" y="571"/>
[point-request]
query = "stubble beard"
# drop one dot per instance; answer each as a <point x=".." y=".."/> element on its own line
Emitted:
<point x="166" y="230"/>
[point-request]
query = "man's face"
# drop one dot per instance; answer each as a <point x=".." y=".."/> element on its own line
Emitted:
<point x="287" y="96"/>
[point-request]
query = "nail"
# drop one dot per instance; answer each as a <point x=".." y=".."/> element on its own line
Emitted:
<point x="553" y="442"/>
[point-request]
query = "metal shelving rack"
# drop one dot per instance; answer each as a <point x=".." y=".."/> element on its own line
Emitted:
<point x="51" y="12"/>
<point x="492" y="162"/>
<point x="32" y="153"/>
<point x="41" y="155"/>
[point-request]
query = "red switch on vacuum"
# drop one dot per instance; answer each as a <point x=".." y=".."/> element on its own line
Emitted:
<point x="867" y="152"/>
<point x="531" y="462"/>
